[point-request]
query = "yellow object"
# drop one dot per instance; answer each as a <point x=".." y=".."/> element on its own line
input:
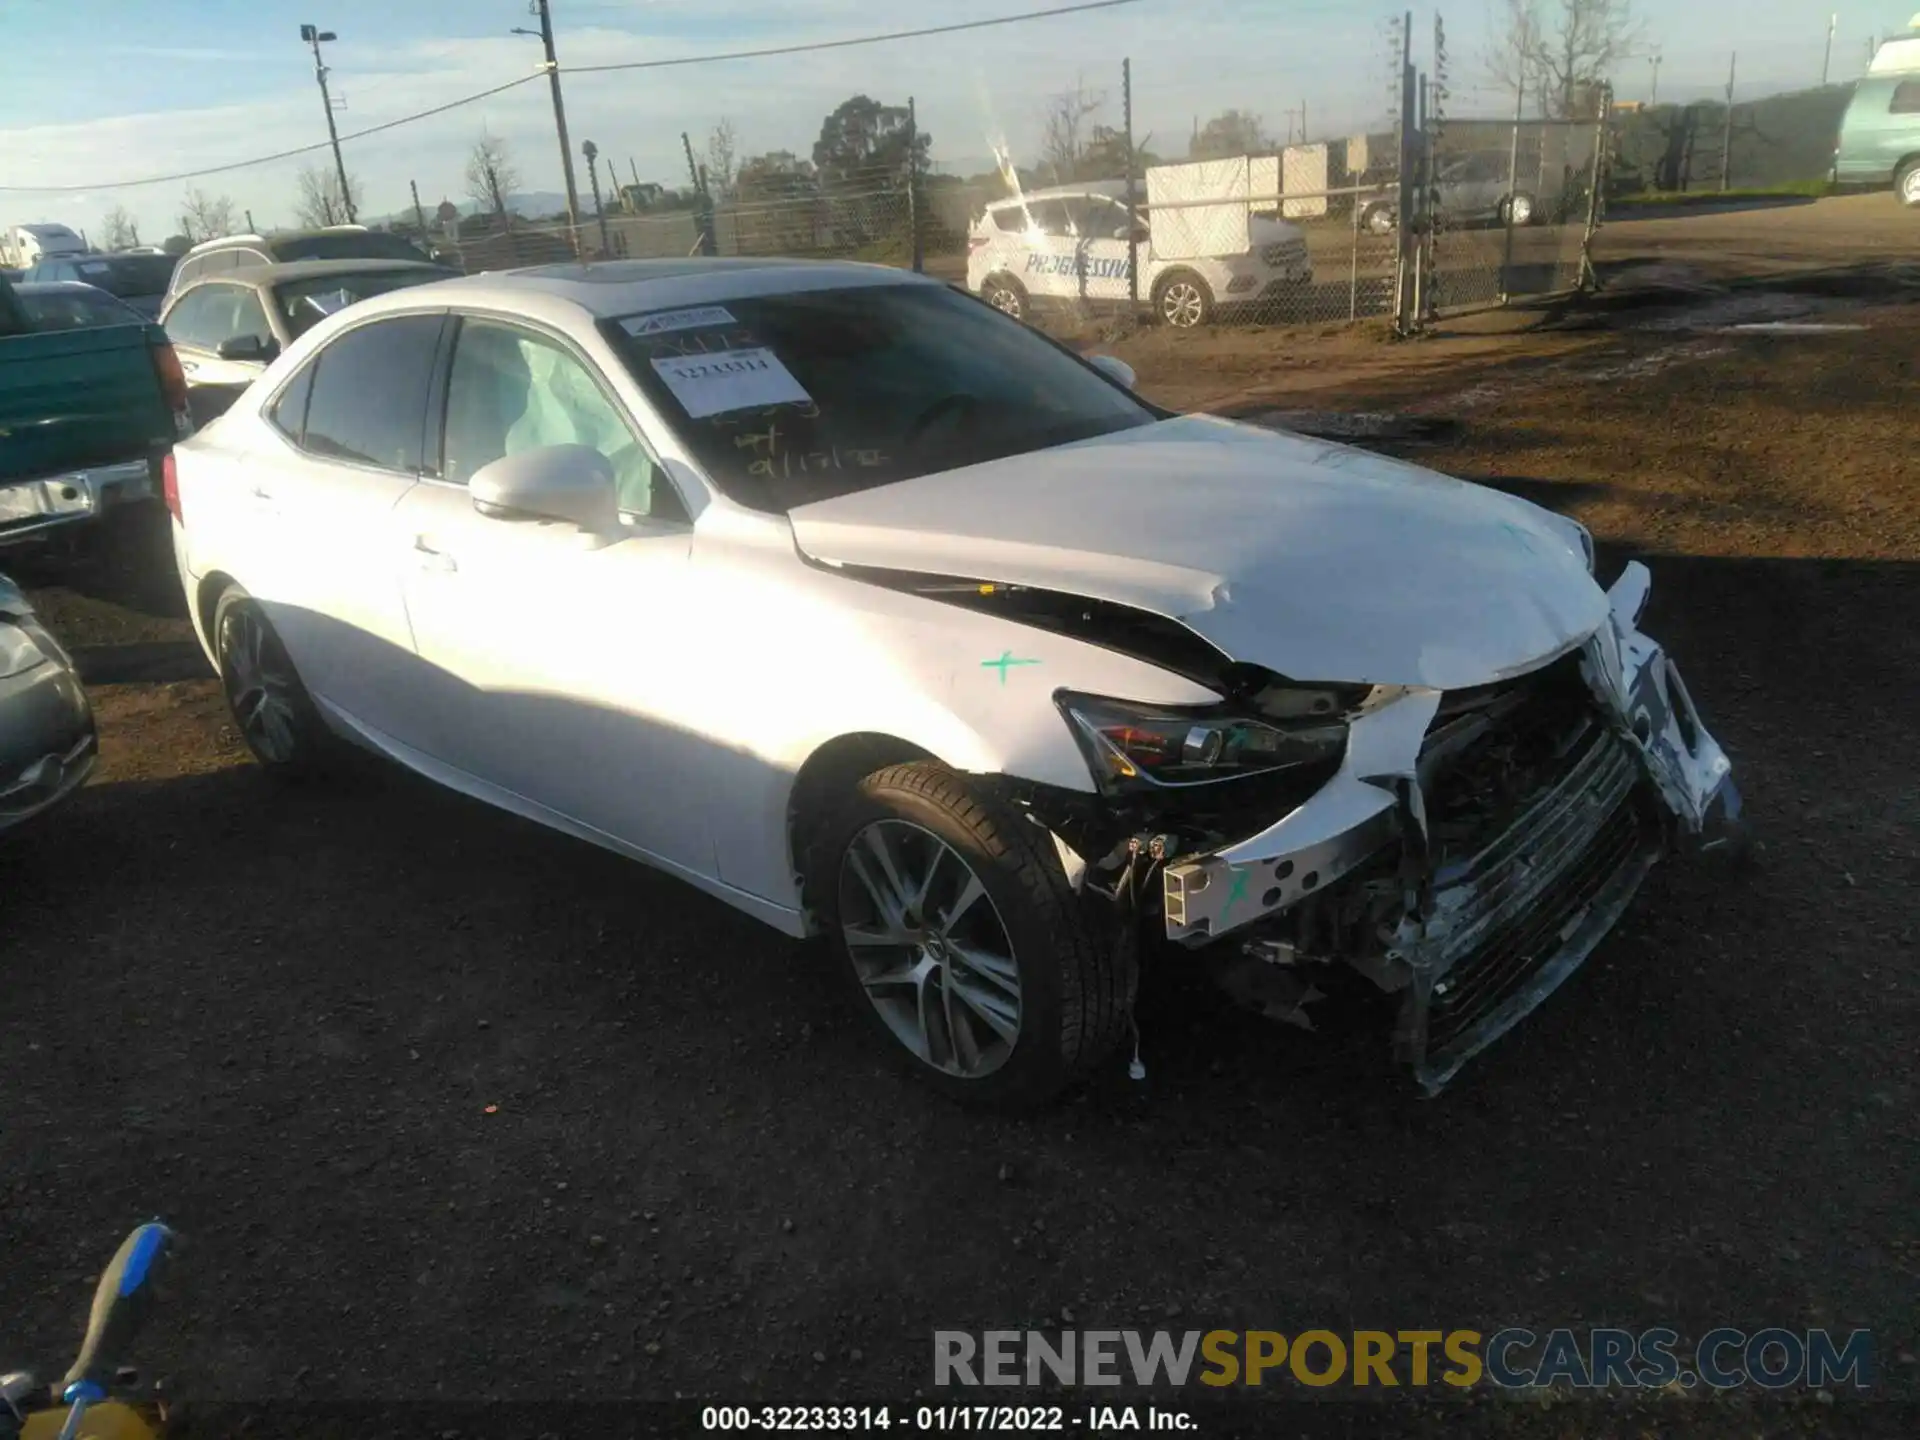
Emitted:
<point x="109" y="1420"/>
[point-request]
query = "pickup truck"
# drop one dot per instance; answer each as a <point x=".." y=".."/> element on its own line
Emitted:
<point x="87" y="416"/>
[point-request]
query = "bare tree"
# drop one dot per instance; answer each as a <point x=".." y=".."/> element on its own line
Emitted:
<point x="723" y="148"/>
<point x="321" y="201"/>
<point x="1061" y="139"/>
<point x="1561" y="51"/>
<point x="491" y="176"/>
<point x="119" y="230"/>
<point x="204" y="216"/>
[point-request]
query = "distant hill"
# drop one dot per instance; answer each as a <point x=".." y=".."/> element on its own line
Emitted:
<point x="533" y="205"/>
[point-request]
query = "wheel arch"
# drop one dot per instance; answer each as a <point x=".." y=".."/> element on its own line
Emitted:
<point x="206" y="597"/>
<point x="832" y="767"/>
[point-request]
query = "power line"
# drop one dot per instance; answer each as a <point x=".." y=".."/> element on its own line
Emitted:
<point x="571" y="70"/>
<point x="858" y="40"/>
<point x="266" y="159"/>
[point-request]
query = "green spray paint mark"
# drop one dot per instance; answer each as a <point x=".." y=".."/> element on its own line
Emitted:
<point x="1236" y="894"/>
<point x="1525" y="539"/>
<point x="1003" y="663"/>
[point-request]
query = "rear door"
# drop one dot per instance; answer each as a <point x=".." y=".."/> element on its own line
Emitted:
<point x="323" y="554"/>
<point x="1100" y="227"/>
<point x="1051" y="266"/>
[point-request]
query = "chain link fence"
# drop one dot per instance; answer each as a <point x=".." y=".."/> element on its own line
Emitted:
<point x="1307" y="234"/>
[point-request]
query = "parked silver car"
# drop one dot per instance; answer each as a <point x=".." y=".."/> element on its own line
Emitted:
<point x="1467" y="188"/>
<point x="47" y="740"/>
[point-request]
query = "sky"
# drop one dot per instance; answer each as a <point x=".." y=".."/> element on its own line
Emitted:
<point x="94" y="93"/>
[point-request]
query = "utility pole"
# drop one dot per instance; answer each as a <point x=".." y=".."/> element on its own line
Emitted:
<point x="1653" y="96"/>
<point x="914" y="242"/>
<point x="540" y="9"/>
<point x="1726" y="138"/>
<point x="1833" y="23"/>
<point x="313" y="35"/>
<point x="252" y="229"/>
<point x="419" y="215"/>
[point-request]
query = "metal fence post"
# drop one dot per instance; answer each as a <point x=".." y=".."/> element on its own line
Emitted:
<point x="1409" y="116"/>
<point x="1603" y="126"/>
<point x="913" y="187"/>
<point x="1133" y="213"/>
<point x="1513" y="176"/>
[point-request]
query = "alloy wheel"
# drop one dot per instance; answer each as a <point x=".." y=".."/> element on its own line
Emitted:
<point x="259" y="683"/>
<point x="1910" y="186"/>
<point x="929" y="948"/>
<point x="1182" y="304"/>
<point x="1006" y="300"/>
<point x="1520" y="209"/>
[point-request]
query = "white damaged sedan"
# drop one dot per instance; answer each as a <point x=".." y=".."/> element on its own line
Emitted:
<point x="877" y="614"/>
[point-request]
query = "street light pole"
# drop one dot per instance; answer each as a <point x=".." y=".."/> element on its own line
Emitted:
<point x="1826" y="63"/>
<point x="592" y="152"/>
<point x="540" y="9"/>
<point x="313" y="35"/>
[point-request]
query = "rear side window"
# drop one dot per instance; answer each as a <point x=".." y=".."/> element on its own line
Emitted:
<point x="1010" y="218"/>
<point x="1906" y="98"/>
<point x="1051" y="216"/>
<point x="189" y="271"/>
<point x="192" y="321"/>
<point x="369" y="400"/>
<point x="288" y="413"/>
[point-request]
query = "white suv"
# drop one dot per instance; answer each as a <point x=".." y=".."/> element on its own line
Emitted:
<point x="1071" y="244"/>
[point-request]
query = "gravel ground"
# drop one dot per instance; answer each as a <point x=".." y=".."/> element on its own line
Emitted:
<point x="452" y="1107"/>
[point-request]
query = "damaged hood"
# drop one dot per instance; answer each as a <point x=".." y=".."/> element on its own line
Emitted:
<point x="1318" y="561"/>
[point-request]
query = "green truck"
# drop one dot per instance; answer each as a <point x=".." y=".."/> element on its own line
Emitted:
<point x="87" y="418"/>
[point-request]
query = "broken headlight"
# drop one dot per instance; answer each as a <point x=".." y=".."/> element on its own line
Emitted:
<point x="1296" y="733"/>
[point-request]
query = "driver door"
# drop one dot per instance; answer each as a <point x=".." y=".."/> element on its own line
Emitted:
<point x="562" y="659"/>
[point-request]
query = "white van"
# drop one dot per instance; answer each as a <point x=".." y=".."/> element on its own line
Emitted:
<point x="27" y="245"/>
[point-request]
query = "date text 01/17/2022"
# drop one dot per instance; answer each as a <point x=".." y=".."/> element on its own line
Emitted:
<point x="947" y="1419"/>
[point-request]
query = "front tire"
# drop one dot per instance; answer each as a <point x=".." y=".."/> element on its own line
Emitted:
<point x="270" y="706"/>
<point x="1008" y="296"/>
<point x="1182" y="300"/>
<point x="1907" y="184"/>
<point x="961" y="942"/>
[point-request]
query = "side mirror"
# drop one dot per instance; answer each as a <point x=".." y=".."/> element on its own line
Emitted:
<point x="1113" y="368"/>
<point x="246" y="347"/>
<point x="574" y="483"/>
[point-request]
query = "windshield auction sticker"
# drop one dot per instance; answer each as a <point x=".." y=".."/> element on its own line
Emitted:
<point x="663" y="322"/>
<point x="729" y="380"/>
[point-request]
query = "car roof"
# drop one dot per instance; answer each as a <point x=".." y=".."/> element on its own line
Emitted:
<point x="609" y="289"/>
<point x="265" y="275"/>
<point x="1105" y="189"/>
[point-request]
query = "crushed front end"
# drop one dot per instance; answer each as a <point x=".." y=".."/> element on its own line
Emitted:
<point x="1473" y="846"/>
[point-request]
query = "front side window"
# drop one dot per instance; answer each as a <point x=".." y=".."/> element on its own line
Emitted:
<point x="1097" y="218"/>
<point x="191" y="321"/>
<point x="512" y="390"/>
<point x="788" y="399"/>
<point x="1906" y="98"/>
<point x="369" y="400"/>
<point x="1050" y="217"/>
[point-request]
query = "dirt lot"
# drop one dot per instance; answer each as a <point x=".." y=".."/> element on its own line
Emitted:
<point x="450" y="1106"/>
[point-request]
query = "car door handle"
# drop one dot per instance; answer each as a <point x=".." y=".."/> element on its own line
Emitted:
<point x="425" y="557"/>
<point x="189" y="366"/>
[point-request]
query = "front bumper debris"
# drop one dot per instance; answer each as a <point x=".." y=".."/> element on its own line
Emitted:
<point x="30" y="508"/>
<point x="1475" y="944"/>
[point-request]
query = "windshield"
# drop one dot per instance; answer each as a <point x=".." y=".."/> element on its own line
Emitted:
<point x="305" y="303"/>
<point x="66" y="307"/>
<point x="788" y="399"/>
<point x="348" y="245"/>
<point x="127" y="275"/>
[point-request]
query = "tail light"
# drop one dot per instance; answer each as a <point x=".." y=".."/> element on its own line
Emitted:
<point x="170" y="486"/>
<point x="173" y="387"/>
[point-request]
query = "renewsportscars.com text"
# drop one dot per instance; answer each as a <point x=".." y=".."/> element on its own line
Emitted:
<point x="1511" y="1358"/>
